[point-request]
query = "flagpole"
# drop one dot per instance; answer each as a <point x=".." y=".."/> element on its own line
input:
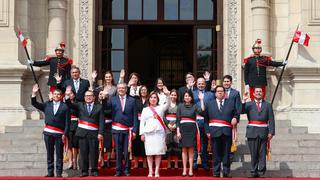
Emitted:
<point x="34" y="75"/>
<point x="282" y="71"/>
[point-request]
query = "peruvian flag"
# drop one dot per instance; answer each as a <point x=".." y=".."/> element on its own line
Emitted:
<point x="22" y="39"/>
<point x="301" y="38"/>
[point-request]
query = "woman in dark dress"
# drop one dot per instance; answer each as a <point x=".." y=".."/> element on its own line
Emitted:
<point x="137" y="145"/>
<point x="73" y="142"/>
<point x="187" y="128"/>
<point x="173" y="149"/>
<point x="107" y="136"/>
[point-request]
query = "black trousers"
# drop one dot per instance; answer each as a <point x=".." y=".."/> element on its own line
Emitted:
<point x="121" y="142"/>
<point x="54" y="143"/>
<point x="258" y="151"/>
<point x="89" y="151"/>
<point x="220" y="151"/>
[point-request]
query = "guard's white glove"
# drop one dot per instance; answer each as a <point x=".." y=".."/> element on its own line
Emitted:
<point x="285" y="62"/>
<point x="30" y="61"/>
<point x="247" y="88"/>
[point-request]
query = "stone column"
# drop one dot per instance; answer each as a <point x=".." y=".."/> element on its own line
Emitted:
<point x="57" y="10"/>
<point x="260" y="25"/>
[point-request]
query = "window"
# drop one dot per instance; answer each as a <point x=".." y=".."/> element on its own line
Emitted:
<point x="117" y="50"/>
<point x="205" y="10"/>
<point x="118" y="10"/>
<point x="178" y="9"/>
<point x="134" y="9"/>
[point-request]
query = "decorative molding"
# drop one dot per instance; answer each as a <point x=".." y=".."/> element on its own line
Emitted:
<point x="83" y="37"/>
<point x="4" y="13"/>
<point x="314" y="14"/>
<point x="232" y="39"/>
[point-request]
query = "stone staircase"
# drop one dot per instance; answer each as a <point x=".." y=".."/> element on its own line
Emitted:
<point x="295" y="153"/>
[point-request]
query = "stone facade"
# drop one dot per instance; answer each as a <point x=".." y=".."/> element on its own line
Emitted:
<point x="46" y="23"/>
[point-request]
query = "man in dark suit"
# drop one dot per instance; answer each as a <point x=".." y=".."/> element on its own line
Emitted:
<point x="208" y="96"/>
<point x="79" y="85"/>
<point x="58" y="65"/>
<point x="190" y="81"/>
<point x="260" y="130"/>
<point x="57" y="120"/>
<point x="90" y="130"/>
<point x="124" y="126"/>
<point x="221" y="117"/>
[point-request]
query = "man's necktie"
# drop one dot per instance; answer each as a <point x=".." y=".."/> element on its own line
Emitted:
<point x="122" y="103"/>
<point x="221" y="105"/>
<point x="258" y="106"/>
<point x="76" y="85"/>
<point x="89" y="108"/>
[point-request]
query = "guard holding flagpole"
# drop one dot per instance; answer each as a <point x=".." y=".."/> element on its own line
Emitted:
<point x="255" y="69"/>
<point x="59" y="65"/>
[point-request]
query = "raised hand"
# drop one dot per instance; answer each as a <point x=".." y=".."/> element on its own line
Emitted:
<point x="122" y="73"/>
<point x="190" y="84"/>
<point x="50" y="96"/>
<point x="94" y="75"/>
<point x="206" y="75"/>
<point x="57" y="77"/>
<point x="68" y="90"/>
<point x="213" y="85"/>
<point x="247" y="88"/>
<point x="35" y="88"/>
<point x="166" y="91"/>
<point x="201" y="96"/>
<point x="245" y="96"/>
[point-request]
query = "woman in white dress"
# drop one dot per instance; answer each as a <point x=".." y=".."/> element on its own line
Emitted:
<point x="153" y="130"/>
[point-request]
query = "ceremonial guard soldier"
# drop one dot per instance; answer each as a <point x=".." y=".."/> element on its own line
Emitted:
<point x="260" y="130"/>
<point x="59" y="65"/>
<point x="57" y="120"/>
<point x="255" y="72"/>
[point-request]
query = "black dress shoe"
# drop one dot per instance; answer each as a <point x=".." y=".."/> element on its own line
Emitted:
<point x="95" y="173"/>
<point x="126" y="174"/>
<point x="84" y="174"/>
<point x="255" y="175"/>
<point x="216" y="175"/>
<point x="49" y="175"/>
<point x="226" y="176"/>
<point x="117" y="174"/>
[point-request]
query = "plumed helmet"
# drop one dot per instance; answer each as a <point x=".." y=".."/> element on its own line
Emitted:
<point x="61" y="47"/>
<point x="257" y="44"/>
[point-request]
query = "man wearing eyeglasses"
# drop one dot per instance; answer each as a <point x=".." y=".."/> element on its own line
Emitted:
<point x="90" y="130"/>
<point x="255" y="72"/>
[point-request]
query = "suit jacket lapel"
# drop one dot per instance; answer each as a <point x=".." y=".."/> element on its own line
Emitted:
<point x="58" y="109"/>
<point x="50" y="104"/>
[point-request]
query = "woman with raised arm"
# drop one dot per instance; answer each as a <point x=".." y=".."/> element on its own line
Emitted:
<point x="153" y="130"/>
<point x="108" y="84"/>
<point x="187" y="128"/>
<point x="158" y="88"/>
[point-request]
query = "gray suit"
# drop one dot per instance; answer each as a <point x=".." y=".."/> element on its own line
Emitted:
<point x="258" y="136"/>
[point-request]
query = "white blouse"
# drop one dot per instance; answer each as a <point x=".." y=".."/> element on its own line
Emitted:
<point x="149" y="123"/>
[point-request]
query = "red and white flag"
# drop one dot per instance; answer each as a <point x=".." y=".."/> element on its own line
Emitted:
<point x="301" y="38"/>
<point x="22" y="39"/>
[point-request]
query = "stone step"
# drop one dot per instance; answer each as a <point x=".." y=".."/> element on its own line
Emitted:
<point x="13" y="129"/>
<point x="26" y="157"/>
<point x="33" y="123"/>
<point x="282" y="158"/>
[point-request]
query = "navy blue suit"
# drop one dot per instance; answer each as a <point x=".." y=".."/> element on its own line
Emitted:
<point x="129" y="118"/>
<point x="221" y="137"/>
<point x="83" y="87"/>
<point x="53" y="141"/>
<point x="208" y="96"/>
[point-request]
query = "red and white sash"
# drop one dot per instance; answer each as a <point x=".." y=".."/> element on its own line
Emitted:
<point x="74" y="118"/>
<point x="219" y="123"/>
<point x="199" y="117"/>
<point x="118" y="126"/>
<point x="52" y="129"/>
<point x="257" y="123"/>
<point x="87" y="125"/>
<point x="158" y="118"/>
<point x="171" y="117"/>
<point x="187" y="120"/>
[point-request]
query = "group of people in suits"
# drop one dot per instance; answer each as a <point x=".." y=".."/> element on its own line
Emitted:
<point x="127" y="118"/>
